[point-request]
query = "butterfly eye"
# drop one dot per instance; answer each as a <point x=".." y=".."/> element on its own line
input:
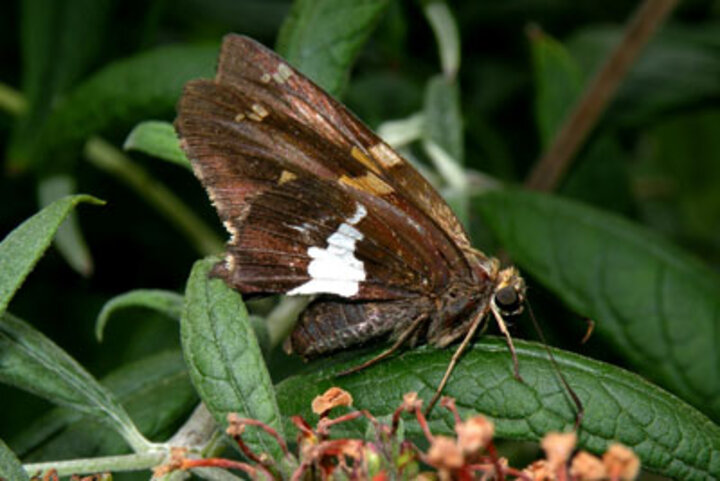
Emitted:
<point x="508" y="300"/>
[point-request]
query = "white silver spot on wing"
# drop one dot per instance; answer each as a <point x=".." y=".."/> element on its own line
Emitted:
<point x="282" y="74"/>
<point x="232" y="231"/>
<point x="335" y="269"/>
<point x="230" y="263"/>
<point x="303" y="229"/>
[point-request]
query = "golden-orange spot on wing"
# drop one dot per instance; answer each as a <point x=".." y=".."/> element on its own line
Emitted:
<point x="368" y="183"/>
<point x="265" y="78"/>
<point x="240" y="117"/>
<point x="385" y="155"/>
<point x="361" y="157"/>
<point x="286" y="176"/>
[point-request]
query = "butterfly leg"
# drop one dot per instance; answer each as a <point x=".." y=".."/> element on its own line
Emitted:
<point x="479" y="316"/>
<point x="417" y="322"/>
<point x="503" y="328"/>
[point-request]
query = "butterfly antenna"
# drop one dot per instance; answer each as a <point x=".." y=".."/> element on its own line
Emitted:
<point x="573" y="395"/>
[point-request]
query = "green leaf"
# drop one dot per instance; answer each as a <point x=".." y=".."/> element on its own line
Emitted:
<point x="443" y="117"/>
<point x="155" y="391"/>
<point x="60" y="41"/>
<point x="322" y="39"/>
<point x="10" y="466"/>
<point x="158" y="139"/>
<point x="32" y="362"/>
<point x="652" y="302"/>
<point x="446" y="34"/>
<point x="678" y="69"/>
<point x="224" y="358"/>
<point x="600" y="173"/>
<point x="680" y="197"/>
<point x="69" y="238"/>
<point x="23" y="247"/>
<point x="558" y="83"/>
<point x="601" y="176"/>
<point x="124" y="92"/>
<point x="668" y="435"/>
<point x="443" y="139"/>
<point x="168" y="302"/>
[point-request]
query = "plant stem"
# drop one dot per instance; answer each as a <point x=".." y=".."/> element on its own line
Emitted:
<point x="106" y="157"/>
<point x="549" y="170"/>
<point x="281" y="320"/>
<point x="128" y="462"/>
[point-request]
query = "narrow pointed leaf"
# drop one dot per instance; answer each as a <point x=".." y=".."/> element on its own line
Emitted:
<point x="447" y="36"/>
<point x="224" y="358"/>
<point x="167" y="302"/>
<point x="31" y="361"/>
<point x="669" y="436"/>
<point x="156" y="392"/>
<point x="10" y="466"/>
<point x="69" y="239"/>
<point x="158" y="139"/>
<point x="23" y="247"/>
<point x="656" y="305"/>
<point x="443" y="139"/>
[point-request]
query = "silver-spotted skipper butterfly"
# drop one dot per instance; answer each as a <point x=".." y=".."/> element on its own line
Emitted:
<point x="317" y="204"/>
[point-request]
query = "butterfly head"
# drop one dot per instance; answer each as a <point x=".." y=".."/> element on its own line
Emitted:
<point x="509" y="295"/>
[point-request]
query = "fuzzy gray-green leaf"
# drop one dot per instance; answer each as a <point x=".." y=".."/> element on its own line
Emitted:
<point x="23" y="247"/>
<point x="31" y="361"/>
<point x="10" y="466"/>
<point x="69" y="239"/>
<point x="156" y="392"/>
<point x="224" y="359"/>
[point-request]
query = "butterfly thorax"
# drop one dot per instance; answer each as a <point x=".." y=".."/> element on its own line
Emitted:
<point x="457" y="306"/>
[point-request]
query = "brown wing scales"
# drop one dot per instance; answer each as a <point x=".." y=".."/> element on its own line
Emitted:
<point x="286" y="165"/>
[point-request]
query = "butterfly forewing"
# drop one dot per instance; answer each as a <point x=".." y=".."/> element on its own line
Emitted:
<point x="311" y="197"/>
<point x="244" y="61"/>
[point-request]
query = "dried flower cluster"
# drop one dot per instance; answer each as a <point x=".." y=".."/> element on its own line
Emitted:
<point x="469" y="455"/>
<point x="52" y="475"/>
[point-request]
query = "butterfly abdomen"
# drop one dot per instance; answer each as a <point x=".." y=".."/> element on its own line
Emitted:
<point x="327" y="326"/>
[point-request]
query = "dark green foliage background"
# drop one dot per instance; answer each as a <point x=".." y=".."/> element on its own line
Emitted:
<point x="99" y="68"/>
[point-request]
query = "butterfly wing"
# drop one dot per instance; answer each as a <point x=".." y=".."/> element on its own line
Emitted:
<point x="245" y="62"/>
<point x="314" y="201"/>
